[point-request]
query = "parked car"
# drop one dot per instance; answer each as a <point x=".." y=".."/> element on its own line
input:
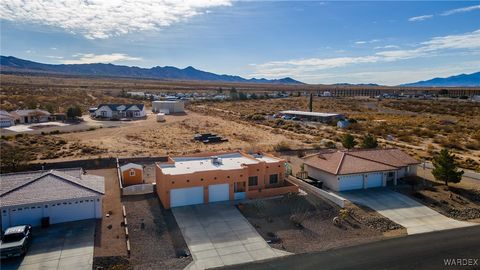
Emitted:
<point x="286" y="117"/>
<point x="16" y="241"/>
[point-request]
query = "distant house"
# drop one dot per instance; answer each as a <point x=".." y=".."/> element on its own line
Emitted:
<point x="132" y="174"/>
<point x="6" y="119"/>
<point x="360" y="169"/>
<point x="30" y="116"/>
<point x="119" y="111"/>
<point x="168" y="106"/>
<point x="343" y="124"/>
<point x="312" y="116"/>
<point x="61" y="195"/>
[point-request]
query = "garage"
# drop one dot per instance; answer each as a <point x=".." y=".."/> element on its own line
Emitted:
<point x="218" y="193"/>
<point x="186" y="196"/>
<point x="59" y="195"/>
<point x="350" y="182"/>
<point x="374" y="180"/>
<point x="25" y="215"/>
<point x="72" y="211"/>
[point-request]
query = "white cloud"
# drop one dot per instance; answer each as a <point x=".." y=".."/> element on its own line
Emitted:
<point x="366" y="41"/>
<point x="98" y="19"/>
<point x="312" y="68"/>
<point x="420" y="18"/>
<point x="88" y="58"/>
<point x="460" y="10"/>
<point x="387" y="47"/>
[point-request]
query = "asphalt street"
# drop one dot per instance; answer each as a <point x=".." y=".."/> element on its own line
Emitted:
<point x="421" y="251"/>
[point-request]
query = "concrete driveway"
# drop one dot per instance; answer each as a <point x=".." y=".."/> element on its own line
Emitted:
<point x="218" y="235"/>
<point x="62" y="246"/>
<point x="414" y="216"/>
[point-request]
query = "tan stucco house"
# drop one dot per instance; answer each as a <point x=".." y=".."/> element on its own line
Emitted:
<point x="217" y="177"/>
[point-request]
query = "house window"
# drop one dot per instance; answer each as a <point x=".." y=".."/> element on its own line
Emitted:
<point x="132" y="172"/>
<point x="103" y="113"/>
<point x="391" y="174"/>
<point x="273" y="179"/>
<point x="252" y="181"/>
<point x="136" y="113"/>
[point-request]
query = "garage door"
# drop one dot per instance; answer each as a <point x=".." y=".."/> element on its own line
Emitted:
<point x="71" y="211"/>
<point x="374" y="180"/>
<point x="351" y="182"/>
<point x="186" y="196"/>
<point x="26" y="215"/>
<point x="218" y="193"/>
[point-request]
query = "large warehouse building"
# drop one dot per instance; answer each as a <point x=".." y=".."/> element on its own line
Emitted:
<point x="168" y="106"/>
<point x="313" y="116"/>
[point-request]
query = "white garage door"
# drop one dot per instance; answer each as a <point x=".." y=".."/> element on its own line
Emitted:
<point x="71" y="211"/>
<point x="350" y="182"/>
<point x="26" y="215"/>
<point x="217" y="193"/>
<point x="186" y="196"/>
<point x="374" y="180"/>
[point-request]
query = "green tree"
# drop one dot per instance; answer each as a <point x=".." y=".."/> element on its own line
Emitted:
<point x="445" y="167"/>
<point x="369" y="141"/>
<point x="348" y="141"/>
<point x="74" y="112"/>
<point x="233" y="93"/>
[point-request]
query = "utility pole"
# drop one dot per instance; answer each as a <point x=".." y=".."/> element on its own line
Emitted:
<point x="310" y="102"/>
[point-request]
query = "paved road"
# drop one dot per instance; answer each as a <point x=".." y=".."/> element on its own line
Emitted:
<point x="62" y="246"/>
<point x="421" y="251"/>
<point x="466" y="173"/>
<point x="414" y="216"/>
<point x="217" y="234"/>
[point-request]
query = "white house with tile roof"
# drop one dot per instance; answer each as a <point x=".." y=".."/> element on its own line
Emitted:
<point x="61" y="195"/>
<point x="359" y="168"/>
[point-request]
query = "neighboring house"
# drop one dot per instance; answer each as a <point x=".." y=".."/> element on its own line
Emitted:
<point x="343" y="124"/>
<point x="119" y="111"/>
<point x="30" y="116"/>
<point x="132" y="174"/>
<point x="168" y="106"/>
<point x="220" y="177"/>
<point x="6" y="119"/>
<point x="60" y="195"/>
<point x="360" y="169"/>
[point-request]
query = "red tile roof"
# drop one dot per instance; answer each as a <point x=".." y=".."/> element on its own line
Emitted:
<point x="359" y="161"/>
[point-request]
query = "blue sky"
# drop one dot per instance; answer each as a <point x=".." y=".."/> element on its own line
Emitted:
<point x="383" y="42"/>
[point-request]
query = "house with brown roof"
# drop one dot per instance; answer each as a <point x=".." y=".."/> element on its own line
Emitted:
<point x="55" y="195"/>
<point x="360" y="169"/>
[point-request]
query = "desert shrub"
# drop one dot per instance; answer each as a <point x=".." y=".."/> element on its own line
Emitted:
<point x="330" y="144"/>
<point x="282" y="146"/>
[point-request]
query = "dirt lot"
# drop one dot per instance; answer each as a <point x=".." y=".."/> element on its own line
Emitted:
<point x="109" y="233"/>
<point x="159" y="243"/>
<point x="175" y="136"/>
<point x="276" y="219"/>
<point x="420" y="127"/>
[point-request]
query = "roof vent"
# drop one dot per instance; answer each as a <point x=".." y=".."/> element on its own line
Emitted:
<point x="216" y="160"/>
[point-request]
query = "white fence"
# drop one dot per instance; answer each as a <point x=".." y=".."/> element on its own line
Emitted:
<point x="317" y="191"/>
<point x="138" y="189"/>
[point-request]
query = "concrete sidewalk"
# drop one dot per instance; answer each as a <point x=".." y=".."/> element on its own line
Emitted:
<point x="218" y="235"/>
<point x="414" y="216"/>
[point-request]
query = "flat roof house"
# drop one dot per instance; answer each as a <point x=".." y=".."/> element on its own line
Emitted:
<point x="220" y="177"/>
<point x="313" y="116"/>
<point x="168" y="106"/>
<point x="360" y="169"/>
<point x="119" y="111"/>
<point x="60" y="195"/>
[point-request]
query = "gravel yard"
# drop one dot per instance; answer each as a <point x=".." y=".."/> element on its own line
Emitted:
<point x="158" y="243"/>
<point x="276" y="220"/>
<point x="109" y="232"/>
<point x="458" y="201"/>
